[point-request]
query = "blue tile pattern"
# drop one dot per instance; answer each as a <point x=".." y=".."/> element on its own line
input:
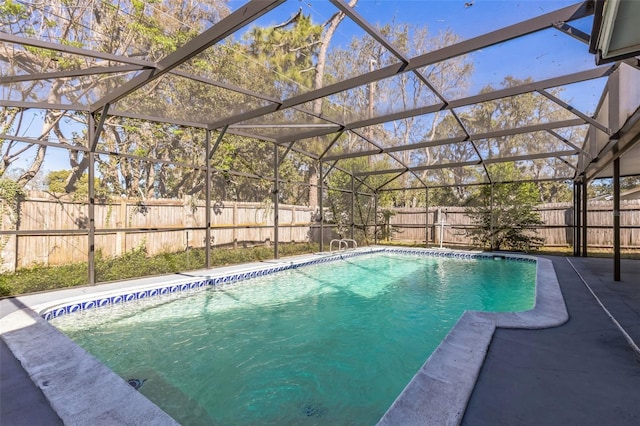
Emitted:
<point x="241" y="276"/>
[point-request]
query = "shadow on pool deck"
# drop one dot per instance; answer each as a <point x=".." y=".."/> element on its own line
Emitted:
<point x="582" y="373"/>
<point x="21" y="401"/>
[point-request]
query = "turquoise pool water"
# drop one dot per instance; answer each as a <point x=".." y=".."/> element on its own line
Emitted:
<point x="326" y="344"/>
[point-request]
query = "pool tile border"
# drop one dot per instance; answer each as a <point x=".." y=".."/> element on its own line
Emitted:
<point x="66" y="308"/>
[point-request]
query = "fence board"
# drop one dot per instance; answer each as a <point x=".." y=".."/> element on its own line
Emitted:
<point x="118" y="223"/>
<point x="557" y="219"/>
<point x="165" y="222"/>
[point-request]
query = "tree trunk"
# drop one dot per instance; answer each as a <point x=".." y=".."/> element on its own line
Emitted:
<point x="325" y="40"/>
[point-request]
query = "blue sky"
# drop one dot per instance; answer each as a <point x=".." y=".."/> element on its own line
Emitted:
<point x="543" y="55"/>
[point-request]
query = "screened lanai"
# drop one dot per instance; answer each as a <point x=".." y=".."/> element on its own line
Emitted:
<point x="308" y="109"/>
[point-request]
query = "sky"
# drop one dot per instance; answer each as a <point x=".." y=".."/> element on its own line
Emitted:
<point x="542" y="55"/>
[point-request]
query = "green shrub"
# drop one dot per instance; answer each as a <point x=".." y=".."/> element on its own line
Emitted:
<point x="135" y="264"/>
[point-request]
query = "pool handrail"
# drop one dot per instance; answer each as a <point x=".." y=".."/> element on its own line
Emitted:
<point x="348" y="240"/>
<point x="342" y="241"/>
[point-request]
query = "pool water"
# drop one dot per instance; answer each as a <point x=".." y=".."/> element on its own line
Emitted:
<point x="325" y="344"/>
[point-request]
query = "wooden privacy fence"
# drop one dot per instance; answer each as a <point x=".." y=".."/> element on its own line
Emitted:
<point x="557" y="230"/>
<point x="55" y="232"/>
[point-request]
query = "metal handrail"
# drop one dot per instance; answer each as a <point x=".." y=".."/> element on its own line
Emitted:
<point x="347" y="240"/>
<point x="342" y="241"/>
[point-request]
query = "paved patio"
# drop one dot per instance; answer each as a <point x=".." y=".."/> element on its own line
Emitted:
<point x="583" y="372"/>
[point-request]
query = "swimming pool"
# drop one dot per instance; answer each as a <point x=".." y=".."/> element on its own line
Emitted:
<point x="331" y="343"/>
<point x="315" y="408"/>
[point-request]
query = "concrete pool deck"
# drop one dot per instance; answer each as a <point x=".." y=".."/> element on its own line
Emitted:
<point x="529" y="365"/>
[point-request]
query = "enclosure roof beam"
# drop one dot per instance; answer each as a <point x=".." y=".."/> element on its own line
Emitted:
<point x="473" y="144"/>
<point x="221" y="85"/>
<point x="267" y="139"/>
<point x="541" y="22"/>
<point x="154" y="160"/>
<point x="282" y="141"/>
<point x="99" y="127"/>
<point x="155" y="118"/>
<point x="422" y="168"/>
<point x="567" y="163"/>
<point x="43" y="105"/>
<point x="529" y="157"/>
<point x="335" y="166"/>
<point x="366" y="138"/>
<point x="573" y="32"/>
<point x="42" y="142"/>
<point x="41" y="44"/>
<point x="217" y="142"/>
<point x="478" y="136"/>
<point x="69" y="73"/>
<point x="572" y="145"/>
<point x="390" y="180"/>
<point x="133" y="65"/>
<point x="575" y="111"/>
<point x="471" y="163"/>
<point x="286" y="152"/>
<point x="227" y="26"/>
<point x="238" y="118"/>
<point x="455" y="185"/>
<point x="335" y="139"/>
<point x="323" y="177"/>
<point x="372" y="31"/>
<point x="623" y="140"/>
<point x="486" y="97"/>
<point x="240" y="132"/>
<point x="545" y="21"/>
<point x="323" y="131"/>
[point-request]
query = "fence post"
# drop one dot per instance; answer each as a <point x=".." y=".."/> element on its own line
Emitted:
<point x="121" y="239"/>
<point x="276" y="201"/>
<point x="234" y="219"/>
<point x="320" y="190"/>
<point x="436" y="219"/>
<point x="585" y="197"/>
<point x="207" y="200"/>
<point x="293" y="230"/>
<point x="491" y="218"/>
<point x="375" y="217"/>
<point x="353" y="201"/>
<point x="616" y="219"/>
<point x="91" y="236"/>
<point x="426" y="218"/>
<point x="577" y="221"/>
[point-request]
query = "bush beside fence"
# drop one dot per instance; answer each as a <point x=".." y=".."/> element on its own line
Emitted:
<point x="557" y="231"/>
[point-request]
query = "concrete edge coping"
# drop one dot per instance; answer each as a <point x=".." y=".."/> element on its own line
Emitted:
<point x="79" y="388"/>
<point x="440" y="390"/>
<point x="68" y="375"/>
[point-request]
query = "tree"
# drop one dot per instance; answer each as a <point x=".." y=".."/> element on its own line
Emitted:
<point x="56" y="182"/>
<point x="504" y="214"/>
<point x="144" y="30"/>
<point x="405" y="91"/>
